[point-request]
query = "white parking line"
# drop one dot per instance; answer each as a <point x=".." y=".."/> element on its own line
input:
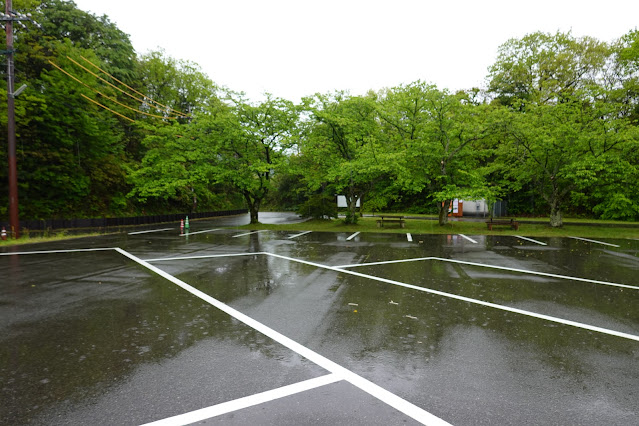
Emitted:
<point x="152" y="230"/>
<point x="353" y="265"/>
<point x="531" y="240"/>
<point x="199" y="232"/>
<point x="594" y="241"/>
<point x="204" y="256"/>
<point x="468" y="238"/>
<point x="503" y="268"/>
<point x="352" y="236"/>
<point x="248" y="401"/>
<point x="371" y="388"/>
<point x="409" y="237"/>
<point x="469" y="300"/>
<point x="248" y="233"/>
<point x="299" y="235"/>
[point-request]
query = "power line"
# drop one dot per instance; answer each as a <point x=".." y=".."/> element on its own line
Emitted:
<point x="107" y="108"/>
<point x="131" y="88"/>
<point x="109" y="97"/>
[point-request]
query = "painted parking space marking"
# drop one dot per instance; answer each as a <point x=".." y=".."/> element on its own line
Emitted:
<point x="342" y="269"/>
<point x="199" y="232"/>
<point x="468" y="238"/>
<point x="203" y="256"/>
<point x="594" y="241"/>
<point x="352" y="236"/>
<point x="299" y="235"/>
<point x="384" y="262"/>
<point x="530" y="239"/>
<point x="503" y="268"/>
<point x="470" y="300"/>
<point x="367" y="386"/>
<point x="248" y="401"/>
<point x="409" y="237"/>
<point x="149" y="231"/>
<point x="248" y="233"/>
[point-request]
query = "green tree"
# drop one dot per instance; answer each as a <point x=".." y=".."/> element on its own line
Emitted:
<point x="571" y="119"/>
<point x="341" y="147"/>
<point x="436" y="139"/>
<point x="70" y="151"/>
<point x="565" y="148"/>
<point x="178" y="170"/>
<point x="546" y="68"/>
<point x="173" y="87"/>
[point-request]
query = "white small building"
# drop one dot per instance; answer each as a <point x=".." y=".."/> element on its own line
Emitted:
<point x="475" y="208"/>
<point x="341" y="201"/>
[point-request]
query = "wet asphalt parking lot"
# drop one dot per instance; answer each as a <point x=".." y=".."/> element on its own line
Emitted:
<point x="228" y="326"/>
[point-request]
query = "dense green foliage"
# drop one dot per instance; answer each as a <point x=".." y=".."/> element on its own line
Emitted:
<point x="104" y="131"/>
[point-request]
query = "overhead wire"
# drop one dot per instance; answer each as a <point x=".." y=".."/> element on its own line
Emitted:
<point x="109" y="97"/>
<point x="132" y="89"/>
<point x="107" y="108"/>
<point x="110" y="84"/>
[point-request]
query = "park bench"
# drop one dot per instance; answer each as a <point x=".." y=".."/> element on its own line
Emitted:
<point x="504" y="222"/>
<point x="390" y="219"/>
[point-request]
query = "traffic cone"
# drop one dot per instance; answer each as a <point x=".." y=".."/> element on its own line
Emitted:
<point x="182" y="225"/>
<point x="4" y="234"/>
<point x="186" y="224"/>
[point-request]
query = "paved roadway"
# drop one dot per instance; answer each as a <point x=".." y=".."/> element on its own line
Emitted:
<point x="227" y="326"/>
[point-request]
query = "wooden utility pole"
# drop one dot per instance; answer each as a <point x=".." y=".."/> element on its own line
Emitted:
<point x="9" y="18"/>
<point x="14" y="222"/>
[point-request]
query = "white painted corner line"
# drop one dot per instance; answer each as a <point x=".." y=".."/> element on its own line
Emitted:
<point x="409" y="237"/>
<point x="248" y="401"/>
<point x="353" y="236"/>
<point x="367" y="386"/>
<point x="299" y="235"/>
<point x="503" y="268"/>
<point x="152" y="230"/>
<point x="468" y="238"/>
<point x="248" y="233"/>
<point x="199" y="232"/>
<point x="531" y="240"/>
<point x="470" y="300"/>
<point x="594" y="241"/>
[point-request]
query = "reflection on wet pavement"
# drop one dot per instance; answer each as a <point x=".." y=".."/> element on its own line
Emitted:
<point x="93" y="338"/>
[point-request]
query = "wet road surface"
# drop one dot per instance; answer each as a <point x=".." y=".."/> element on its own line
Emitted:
<point x="272" y="327"/>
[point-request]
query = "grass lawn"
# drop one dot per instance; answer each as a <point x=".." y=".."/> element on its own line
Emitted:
<point x="425" y="225"/>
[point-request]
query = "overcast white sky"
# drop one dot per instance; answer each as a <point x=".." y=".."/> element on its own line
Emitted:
<point x="294" y="48"/>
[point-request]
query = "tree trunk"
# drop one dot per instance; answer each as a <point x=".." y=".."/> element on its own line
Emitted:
<point x="253" y="213"/>
<point x="351" y="211"/>
<point x="443" y="212"/>
<point x="254" y="207"/>
<point x="556" y="217"/>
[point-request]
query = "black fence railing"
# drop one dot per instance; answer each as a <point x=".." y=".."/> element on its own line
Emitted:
<point x="110" y="222"/>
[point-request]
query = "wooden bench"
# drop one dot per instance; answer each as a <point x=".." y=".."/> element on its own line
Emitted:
<point x="512" y="223"/>
<point x="391" y="219"/>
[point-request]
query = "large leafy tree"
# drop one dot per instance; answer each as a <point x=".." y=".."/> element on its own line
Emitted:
<point x="569" y="125"/>
<point x="251" y="145"/>
<point x="437" y="139"/>
<point x="341" y="147"/>
<point x="174" y="88"/>
<point x="234" y="144"/>
<point x="69" y="151"/>
<point x="546" y="68"/>
<point x="178" y="170"/>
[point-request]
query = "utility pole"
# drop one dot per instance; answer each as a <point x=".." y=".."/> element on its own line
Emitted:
<point x="9" y="18"/>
